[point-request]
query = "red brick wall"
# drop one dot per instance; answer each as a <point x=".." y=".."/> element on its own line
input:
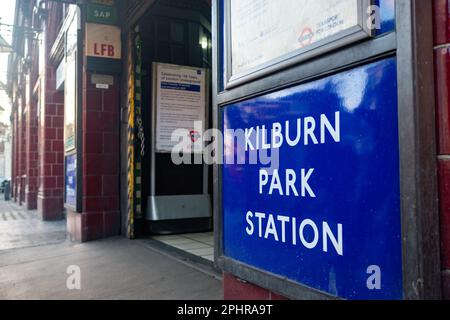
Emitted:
<point x="442" y="67"/>
<point x="100" y="179"/>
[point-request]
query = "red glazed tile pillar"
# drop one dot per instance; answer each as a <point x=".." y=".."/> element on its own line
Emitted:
<point x="100" y="217"/>
<point x="15" y="160"/>
<point x="32" y="157"/>
<point x="50" y="127"/>
<point x="51" y="149"/>
<point x="442" y="67"/>
<point x="21" y="173"/>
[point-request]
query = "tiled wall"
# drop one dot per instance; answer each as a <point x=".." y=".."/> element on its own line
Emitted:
<point x="236" y="289"/>
<point x="100" y="179"/>
<point x="51" y="149"/>
<point x="442" y="70"/>
<point x="101" y="159"/>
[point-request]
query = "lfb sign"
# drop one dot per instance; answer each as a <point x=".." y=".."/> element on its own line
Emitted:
<point x="103" y="41"/>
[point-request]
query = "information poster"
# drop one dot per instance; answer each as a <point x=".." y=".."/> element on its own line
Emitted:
<point x="180" y="104"/>
<point x="71" y="180"/>
<point x="264" y="30"/>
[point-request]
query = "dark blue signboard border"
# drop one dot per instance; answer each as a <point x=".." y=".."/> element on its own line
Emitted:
<point x="355" y="184"/>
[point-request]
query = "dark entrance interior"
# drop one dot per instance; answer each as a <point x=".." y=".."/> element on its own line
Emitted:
<point x="179" y="33"/>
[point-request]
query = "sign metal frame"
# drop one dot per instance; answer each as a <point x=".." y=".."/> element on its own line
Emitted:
<point x="411" y="43"/>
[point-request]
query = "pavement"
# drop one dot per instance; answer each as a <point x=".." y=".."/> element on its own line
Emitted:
<point x="20" y="228"/>
<point x="38" y="262"/>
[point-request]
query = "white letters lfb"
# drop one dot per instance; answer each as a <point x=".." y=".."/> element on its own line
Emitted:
<point x="74" y="280"/>
<point x="374" y="280"/>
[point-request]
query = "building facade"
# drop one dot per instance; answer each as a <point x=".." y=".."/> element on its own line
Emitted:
<point x="98" y="87"/>
<point x="38" y="111"/>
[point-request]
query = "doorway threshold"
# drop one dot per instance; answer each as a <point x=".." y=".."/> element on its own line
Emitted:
<point x="199" y="263"/>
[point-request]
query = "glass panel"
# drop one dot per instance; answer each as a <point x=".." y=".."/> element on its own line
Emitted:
<point x="264" y="30"/>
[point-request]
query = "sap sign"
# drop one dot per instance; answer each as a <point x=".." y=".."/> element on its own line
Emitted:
<point x="314" y="194"/>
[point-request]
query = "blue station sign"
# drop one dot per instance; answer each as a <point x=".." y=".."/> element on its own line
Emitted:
<point x="311" y="186"/>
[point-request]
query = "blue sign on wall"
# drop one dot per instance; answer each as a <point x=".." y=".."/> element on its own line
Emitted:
<point x="323" y="209"/>
<point x="71" y="180"/>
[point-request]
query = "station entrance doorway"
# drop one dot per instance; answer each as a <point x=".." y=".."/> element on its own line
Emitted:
<point x="171" y="54"/>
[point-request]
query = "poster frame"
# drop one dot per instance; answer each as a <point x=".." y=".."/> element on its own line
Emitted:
<point x="351" y="35"/>
<point x="73" y="58"/>
<point x="155" y="107"/>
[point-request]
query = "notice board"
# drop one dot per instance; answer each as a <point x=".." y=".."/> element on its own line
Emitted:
<point x="180" y="104"/>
